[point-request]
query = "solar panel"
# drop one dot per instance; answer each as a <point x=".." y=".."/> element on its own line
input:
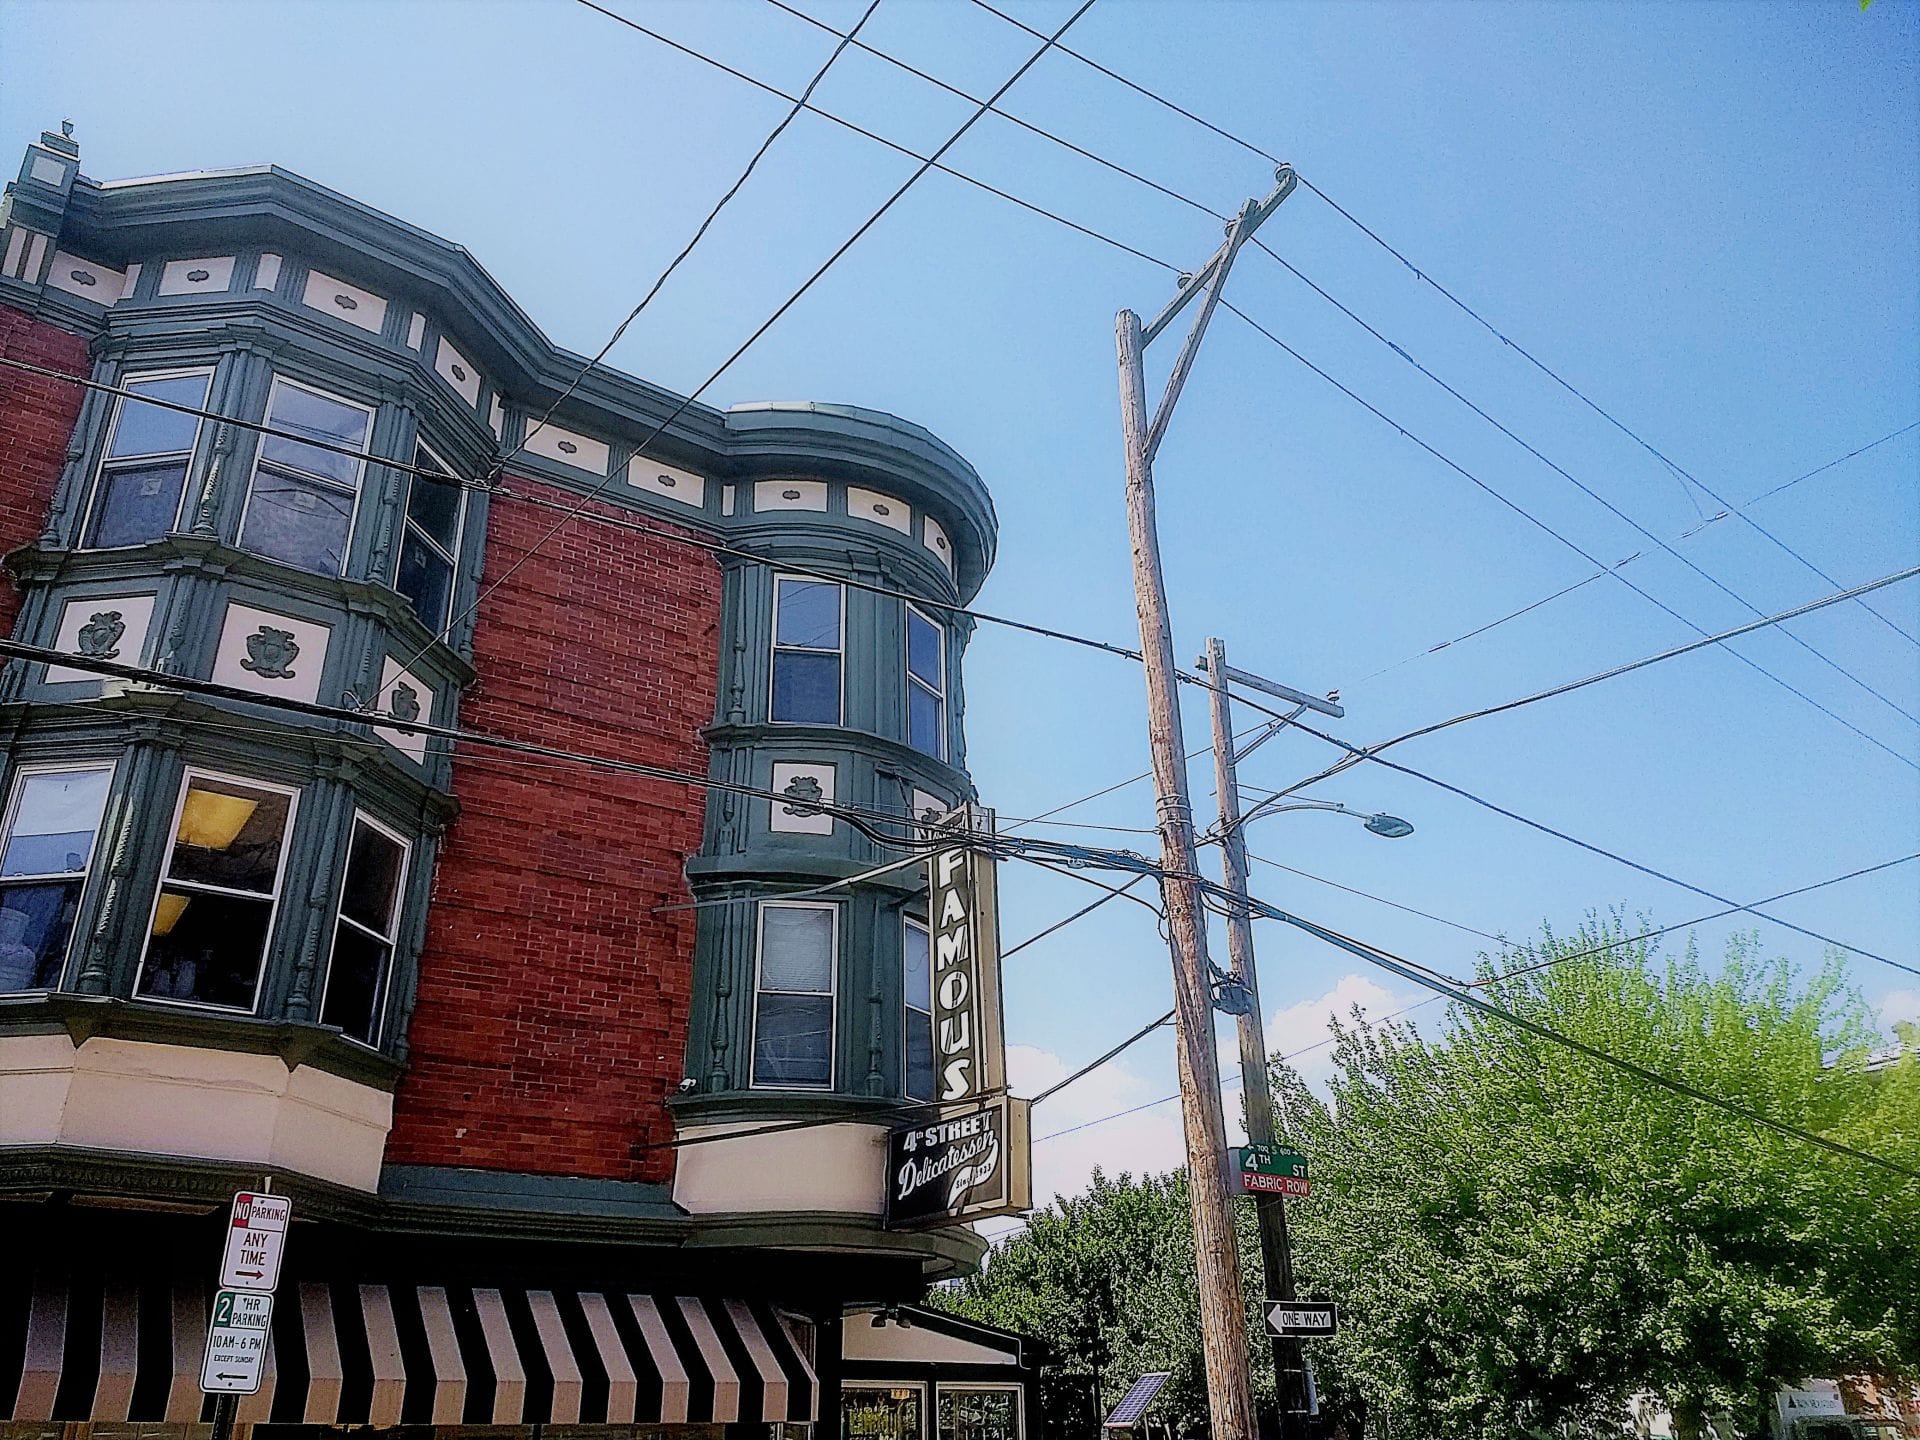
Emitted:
<point x="1134" y="1403"/>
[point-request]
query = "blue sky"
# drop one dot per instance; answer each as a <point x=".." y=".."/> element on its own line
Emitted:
<point x="1704" y="216"/>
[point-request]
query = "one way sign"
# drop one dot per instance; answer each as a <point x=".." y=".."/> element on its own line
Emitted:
<point x="1302" y="1317"/>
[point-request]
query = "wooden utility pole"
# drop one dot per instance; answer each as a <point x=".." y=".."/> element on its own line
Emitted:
<point x="1223" y="1314"/>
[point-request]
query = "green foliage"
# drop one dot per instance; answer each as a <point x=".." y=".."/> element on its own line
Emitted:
<point x="1521" y="1238"/>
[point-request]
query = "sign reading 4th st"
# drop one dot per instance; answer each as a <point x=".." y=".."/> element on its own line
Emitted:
<point x="237" y="1343"/>
<point x="256" y="1239"/>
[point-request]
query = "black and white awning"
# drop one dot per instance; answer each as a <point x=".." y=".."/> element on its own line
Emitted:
<point x="352" y="1354"/>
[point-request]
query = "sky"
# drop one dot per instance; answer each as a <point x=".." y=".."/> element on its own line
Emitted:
<point x="1704" y="218"/>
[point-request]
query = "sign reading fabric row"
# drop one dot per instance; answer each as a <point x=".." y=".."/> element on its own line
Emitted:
<point x="1267" y="1170"/>
<point x="972" y="1162"/>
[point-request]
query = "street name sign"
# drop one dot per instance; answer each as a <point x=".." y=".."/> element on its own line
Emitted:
<point x="1301" y="1318"/>
<point x="1266" y="1170"/>
<point x="237" y="1343"/>
<point x="256" y="1239"/>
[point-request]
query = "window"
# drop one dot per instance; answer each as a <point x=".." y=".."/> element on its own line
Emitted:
<point x="363" y="933"/>
<point x="979" y="1414"/>
<point x="806" y="651"/>
<point x="793" y="999"/>
<point x="300" y="502"/>
<point x="880" y="1412"/>
<point x="214" y="913"/>
<point x="137" y="497"/>
<point x="917" y="991"/>
<point x="50" y="831"/>
<point x="926" y="685"/>
<point x="430" y="549"/>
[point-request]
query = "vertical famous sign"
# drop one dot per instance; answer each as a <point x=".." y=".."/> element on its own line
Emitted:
<point x="969" y="1047"/>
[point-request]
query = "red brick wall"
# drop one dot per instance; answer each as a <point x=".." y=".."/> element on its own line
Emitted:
<point x="37" y="416"/>
<point x="552" y="1013"/>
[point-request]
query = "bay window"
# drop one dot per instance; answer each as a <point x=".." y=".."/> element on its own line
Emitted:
<point x="917" y="999"/>
<point x="364" y="932"/>
<point x="430" y="548"/>
<point x="300" y="500"/>
<point x="144" y="471"/>
<point x="213" y="915"/>
<point x="798" y="954"/>
<point x="46" y="849"/>
<point x="807" y="626"/>
<point x="926" y="685"/>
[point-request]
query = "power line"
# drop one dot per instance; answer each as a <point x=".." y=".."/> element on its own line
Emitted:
<point x="1378" y="899"/>
<point x="1534" y="520"/>
<point x="699" y="233"/>
<point x="1822" y="469"/>
<point x="1579" y="484"/>
<point x="1093" y="1065"/>
<point x="1062" y="924"/>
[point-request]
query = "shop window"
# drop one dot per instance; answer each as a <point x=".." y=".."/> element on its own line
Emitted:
<point x="793" y="996"/>
<point x="144" y="470"/>
<point x="430" y="549"/>
<point x="917" y="989"/>
<point x="926" y="685"/>
<point x="52" y="822"/>
<point x="880" y="1412"/>
<point x="214" y="912"/>
<point x="301" y="499"/>
<point x="979" y="1414"/>
<point x="364" y="932"/>
<point x="807" y="625"/>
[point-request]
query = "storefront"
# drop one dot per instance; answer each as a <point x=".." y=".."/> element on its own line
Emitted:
<point x="909" y="1373"/>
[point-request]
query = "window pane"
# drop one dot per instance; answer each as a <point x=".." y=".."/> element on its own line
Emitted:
<point x="919" y="1055"/>
<point x="919" y="968"/>
<point x="434" y="505"/>
<point x="149" y="430"/>
<point x="923" y="649"/>
<point x="374" y="863"/>
<point x="426" y="579"/>
<point x="206" y="948"/>
<point x="793" y="1040"/>
<point x="35" y="923"/>
<point x="923" y="721"/>
<point x="136" y="504"/>
<point x="230" y="835"/>
<point x="809" y="614"/>
<point x="796" y="948"/>
<point x="298" y="521"/>
<point x="978" y="1415"/>
<point x="54" y="821"/>
<point x="889" y="1413"/>
<point x="306" y="413"/>
<point x="806" y="688"/>
<point x="356" y="978"/>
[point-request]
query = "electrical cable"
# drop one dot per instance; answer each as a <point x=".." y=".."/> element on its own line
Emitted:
<point x="1573" y="545"/>
<point x="1083" y="911"/>
<point x="699" y="233"/>
<point x="1093" y="1065"/>
<point x="1822" y="469"/>
<point x="1378" y="899"/>
<point x="1582" y="486"/>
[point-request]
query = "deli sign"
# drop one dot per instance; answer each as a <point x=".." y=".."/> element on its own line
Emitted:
<point x="971" y="1162"/>
<point x="969" y="1048"/>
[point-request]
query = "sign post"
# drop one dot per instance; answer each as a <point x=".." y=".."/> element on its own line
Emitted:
<point x="239" y="1333"/>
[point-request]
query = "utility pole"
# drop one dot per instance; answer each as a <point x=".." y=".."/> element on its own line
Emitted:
<point x="1223" y="1314"/>
<point x="1276" y="1254"/>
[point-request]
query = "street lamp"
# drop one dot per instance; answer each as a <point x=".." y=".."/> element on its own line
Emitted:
<point x="1390" y="827"/>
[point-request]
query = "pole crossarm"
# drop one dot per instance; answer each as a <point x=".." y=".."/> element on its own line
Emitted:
<point x="1254" y="217"/>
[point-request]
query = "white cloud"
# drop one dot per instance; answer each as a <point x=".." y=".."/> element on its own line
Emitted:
<point x="1900" y="1005"/>
<point x="1298" y="1028"/>
<point x="1146" y="1141"/>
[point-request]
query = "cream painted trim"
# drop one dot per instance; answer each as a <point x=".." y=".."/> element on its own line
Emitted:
<point x="827" y="1169"/>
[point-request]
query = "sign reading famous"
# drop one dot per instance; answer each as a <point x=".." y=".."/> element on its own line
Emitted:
<point x="970" y="1163"/>
<point x="968" y="1045"/>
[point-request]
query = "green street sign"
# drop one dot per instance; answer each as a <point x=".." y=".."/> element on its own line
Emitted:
<point x="1270" y="1160"/>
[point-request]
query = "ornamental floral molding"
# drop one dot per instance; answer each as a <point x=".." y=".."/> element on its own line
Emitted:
<point x="271" y="653"/>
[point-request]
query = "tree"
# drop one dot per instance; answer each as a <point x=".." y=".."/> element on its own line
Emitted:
<point x="1521" y="1237"/>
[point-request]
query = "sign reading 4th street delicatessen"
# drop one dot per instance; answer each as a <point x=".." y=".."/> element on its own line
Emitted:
<point x="970" y="1163"/>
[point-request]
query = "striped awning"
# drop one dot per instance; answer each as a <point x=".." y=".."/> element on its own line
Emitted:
<point x="354" y="1354"/>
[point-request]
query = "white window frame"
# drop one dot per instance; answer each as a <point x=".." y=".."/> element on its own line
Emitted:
<point x="127" y="381"/>
<point x="908" y="1009"/>
<point x="775" y="647"/>
<point x="926" y="1420"/>
<point x="1014" y="1388"/>
<point x="194" y="772"/>
<point x="407" y="526"/>
<point x="906" y="669"/>
<point x="359" y="474"/>
<point x="12" y="812"/>
<point x="832" y="993"/>
<point x="391" y="940"/>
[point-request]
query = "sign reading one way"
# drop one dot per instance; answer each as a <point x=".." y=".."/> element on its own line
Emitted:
<point x="1302" y="1317"/>
<point x="256" y="1239"/>
<point x="236" y="1343"/>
